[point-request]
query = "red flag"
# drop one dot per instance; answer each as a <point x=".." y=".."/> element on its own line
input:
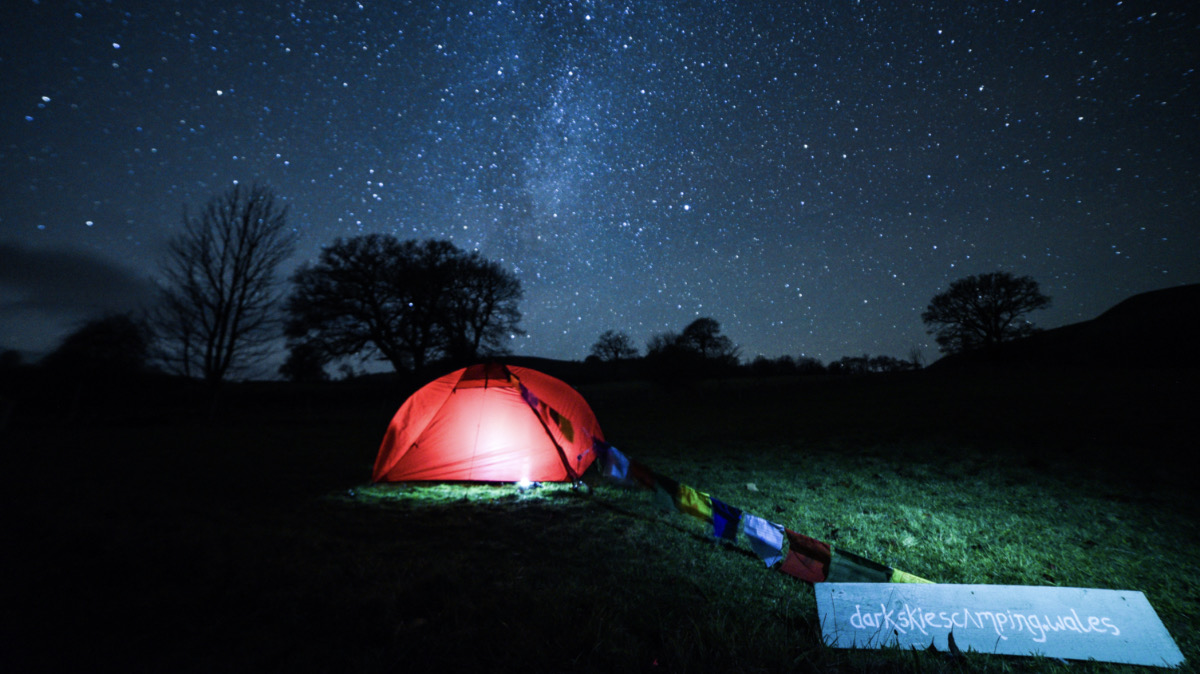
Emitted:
<point x="807" y="558"/>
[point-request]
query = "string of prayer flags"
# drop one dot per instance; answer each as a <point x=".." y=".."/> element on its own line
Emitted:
<point x="899" y="576"/>
<point x="526" y="395"/>
<point x="615" y="464"/>
<point x="805" y="557"/>
<point x="847" y="567"/>
<point x="766" y="538"/>
<point x="695" y="503"/>
<point x="544" y="411"/>
<point x="665" y="490"/>
<point x="642" y="475"/>
<point x="725" y="519"/>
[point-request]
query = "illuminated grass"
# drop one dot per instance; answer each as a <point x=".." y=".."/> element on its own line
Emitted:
<point x="1002" y="525"/>
<point x="258" y="547"/>
<point x="441" y="493"/>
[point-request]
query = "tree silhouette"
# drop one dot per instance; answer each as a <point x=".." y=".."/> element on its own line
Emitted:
<point x="700" y="349"/>
<point x="701" y="340"/>
<point x="663" y="344"/>
<point x="703" y="337"/>
<point x="305" y="363"/>
<point x="851" y="365"/>
<point x="217" y="313"/>
<point x="984" y="310"/>
<point x="404" y="302"/>
<point x="916" y="357"/>
<point x="117" y="345"/>
<point x="809" y="365"/>
<point x="613" y="346"/>
<point x="481" y="308"/>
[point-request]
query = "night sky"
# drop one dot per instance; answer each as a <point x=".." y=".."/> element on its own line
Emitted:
<point x="808" y="173"/>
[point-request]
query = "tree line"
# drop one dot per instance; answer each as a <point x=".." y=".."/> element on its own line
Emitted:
<point x="975" y="312"/>
<point x="223" y="309"/>
<point x="701" y="350"/>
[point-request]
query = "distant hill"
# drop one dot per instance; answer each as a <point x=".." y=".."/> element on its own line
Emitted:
<point x="1154" y="329"/>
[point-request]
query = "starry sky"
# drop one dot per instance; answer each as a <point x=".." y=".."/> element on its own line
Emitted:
<point x="808" y="173"/>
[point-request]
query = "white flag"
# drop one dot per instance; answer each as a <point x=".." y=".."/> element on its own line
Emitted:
<point x="765" y="537"/>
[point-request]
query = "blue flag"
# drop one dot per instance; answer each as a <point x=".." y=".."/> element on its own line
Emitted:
<point x="725" y="519"/>
<point x="616" y="465"/>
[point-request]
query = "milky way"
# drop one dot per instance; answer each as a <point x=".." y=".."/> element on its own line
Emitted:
<point x="810" y="174"/>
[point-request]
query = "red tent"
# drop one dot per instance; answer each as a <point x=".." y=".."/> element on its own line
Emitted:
<point x="480" y="424"/>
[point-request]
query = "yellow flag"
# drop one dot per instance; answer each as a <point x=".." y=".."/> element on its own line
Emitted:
<point x="899" y="576"/>
<point x="695" y="503"/>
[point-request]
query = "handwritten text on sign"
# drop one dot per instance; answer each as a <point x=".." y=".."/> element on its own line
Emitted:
<point x="1064" y="622"/>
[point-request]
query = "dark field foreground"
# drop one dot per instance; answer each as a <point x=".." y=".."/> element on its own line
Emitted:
<point x="155" y="539"/>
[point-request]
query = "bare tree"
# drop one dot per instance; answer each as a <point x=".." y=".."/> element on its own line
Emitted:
<point x="984" y="310"/>
<point x="217" y="313"/>
<point x="917" y="357"/>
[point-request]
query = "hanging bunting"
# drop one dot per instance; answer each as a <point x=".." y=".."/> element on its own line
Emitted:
<point x="899" y="576"/>
<point x="665" y="490"/>
<point x="766" y="538"/>
<point x="615" y="465"/>
<point x="537" y="406"/>
<point x="847" y="567"/>
<point x="725" y="519"/>
<point x="694" y="503"/>
<point x="807" y="558"/>
<point x="543" y="410"/>
<point x="642" y="474"/>
<point x="529" y="398"/>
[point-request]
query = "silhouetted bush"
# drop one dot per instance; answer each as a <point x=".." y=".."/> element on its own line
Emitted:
<point x="114" y="346"/>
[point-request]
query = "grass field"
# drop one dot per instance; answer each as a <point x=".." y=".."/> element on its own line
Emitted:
<point x="251" y="541"/>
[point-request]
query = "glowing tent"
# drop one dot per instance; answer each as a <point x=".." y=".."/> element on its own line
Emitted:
<point x="489" y="423"/>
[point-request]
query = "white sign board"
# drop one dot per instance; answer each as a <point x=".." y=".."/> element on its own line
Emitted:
<point x="1059" y="622"/>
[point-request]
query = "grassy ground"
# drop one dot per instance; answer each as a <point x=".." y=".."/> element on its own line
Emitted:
<point x="254" y="544"/>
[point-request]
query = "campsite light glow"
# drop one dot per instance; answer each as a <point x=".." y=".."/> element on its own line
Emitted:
<point x="439" y="494"/>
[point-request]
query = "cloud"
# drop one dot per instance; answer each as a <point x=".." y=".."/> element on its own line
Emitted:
<point x="45" y="292"/>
